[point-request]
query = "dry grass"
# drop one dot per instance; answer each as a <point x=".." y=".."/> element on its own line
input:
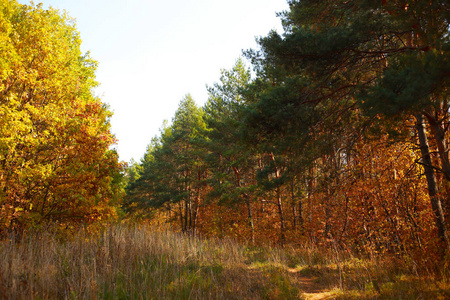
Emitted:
<point x="136" y="263"/>
<point x="131" y="263"/>
<point x="343" y="276"/>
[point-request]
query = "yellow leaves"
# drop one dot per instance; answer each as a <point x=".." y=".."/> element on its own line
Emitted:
<point x="53" y="138"/>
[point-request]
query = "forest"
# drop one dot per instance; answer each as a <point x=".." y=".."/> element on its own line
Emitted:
<point x="332" y="138"/>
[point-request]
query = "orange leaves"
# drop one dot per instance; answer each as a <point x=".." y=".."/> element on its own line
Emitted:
<point x="380" y="203"/>
<point x="54" y="160"/>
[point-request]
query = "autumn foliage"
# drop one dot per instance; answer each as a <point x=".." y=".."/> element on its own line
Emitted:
<point x="339" y="140"/>
<point x="55" y="162"/>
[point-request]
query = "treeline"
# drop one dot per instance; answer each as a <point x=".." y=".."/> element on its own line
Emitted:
<point x="340" y="138"/>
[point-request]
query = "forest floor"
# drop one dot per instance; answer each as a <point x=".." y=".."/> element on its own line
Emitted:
<point x="312" y="289"/>
<point x="138" y="263"/>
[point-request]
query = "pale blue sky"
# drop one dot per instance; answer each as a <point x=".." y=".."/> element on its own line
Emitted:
<point x="151" y="53"/>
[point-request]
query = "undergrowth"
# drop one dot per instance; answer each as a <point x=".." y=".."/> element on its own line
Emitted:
<point x="137" y="263"/>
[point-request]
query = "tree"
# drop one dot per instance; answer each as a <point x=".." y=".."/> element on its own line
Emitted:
<point x="172" y="173"/>
<point x="231" y="161"/>
<point x="389" y="58"/>
<point x="55" y="162"/>
<point x="187" y="129"/>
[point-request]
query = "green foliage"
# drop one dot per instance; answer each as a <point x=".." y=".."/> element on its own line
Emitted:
<point x="412" y="83"/>
<point x="230" y="158"/>
<point x="171" y="171"/>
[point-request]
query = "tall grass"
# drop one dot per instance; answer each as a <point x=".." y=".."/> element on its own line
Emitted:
<point x="137" y="263"/>
<point x="129" y="263"/>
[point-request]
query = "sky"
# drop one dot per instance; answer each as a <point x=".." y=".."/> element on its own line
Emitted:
<point x="152" y="53"/>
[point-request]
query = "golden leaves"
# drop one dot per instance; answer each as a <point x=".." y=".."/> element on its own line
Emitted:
<point x="53" y="138"/>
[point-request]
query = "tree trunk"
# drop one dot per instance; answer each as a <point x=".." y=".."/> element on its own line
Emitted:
<point x="432" y="183"/>
<point x="310" y="186"/>
<point x="248" y="202"/>
<point x="326" y="204"/>
<point x="279" y="203"/>
<point x="294" y="209"/>
<point x="250" y="217"/>
<point x="280" y="212"/>
<point x="186" y="214"/>
<point x="439" y="135"/>
<point x="298" y="215"/>
<point x="190" y="212"/>
<point x="196" y="203"/>
<point x="180" y="205"/>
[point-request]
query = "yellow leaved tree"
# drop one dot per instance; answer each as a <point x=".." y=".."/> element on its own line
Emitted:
<point x="55" y="159"/>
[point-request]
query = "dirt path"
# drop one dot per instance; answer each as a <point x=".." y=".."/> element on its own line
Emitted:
<point x="311" y="289"/>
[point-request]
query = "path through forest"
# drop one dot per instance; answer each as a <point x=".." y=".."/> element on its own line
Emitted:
<point x="311" y="288"/>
